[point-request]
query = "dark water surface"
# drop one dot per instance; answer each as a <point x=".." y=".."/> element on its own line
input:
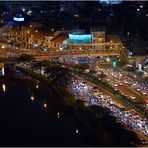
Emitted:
<point x="33" y="121"/>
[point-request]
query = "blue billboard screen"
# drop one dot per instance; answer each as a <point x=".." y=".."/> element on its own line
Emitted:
<point x="80" y="39"/>
<point x="19" y="19"/>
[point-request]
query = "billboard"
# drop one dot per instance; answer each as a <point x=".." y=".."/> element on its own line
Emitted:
<point x="80" y="39"/>
<point x="18" y="19"/>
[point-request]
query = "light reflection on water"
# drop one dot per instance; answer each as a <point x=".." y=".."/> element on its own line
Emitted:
<point x="31" y="117"/>
<point x="58" y="115"/>
<point x="37" y="86"/>
<point x="45" y="105"/>
<point x="32" y="98"/>
<point x="4" y="87"/>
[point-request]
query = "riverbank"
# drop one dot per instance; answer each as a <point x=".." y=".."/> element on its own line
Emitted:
<point x="67" y="97"/>
<point x="62" y="92"/>
<point x="26" y="121"/>
<point x="91" y="118"/>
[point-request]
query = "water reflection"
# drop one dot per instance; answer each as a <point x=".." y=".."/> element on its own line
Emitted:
<point x="37" y="86"/>
<point x="58" y="115"/>
<point x="32" y="98"/>
<point x="45" y="105"/>
<point x="2" y="69"/>
<point x="4" y="87"/>
<point x="77" y="131"/>
<point x="22" y="118"/>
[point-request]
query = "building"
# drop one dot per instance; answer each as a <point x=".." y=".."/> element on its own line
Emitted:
<point x="58" y="41"/>
<point x="78" y="41"/>
<point x="96" y="42"/>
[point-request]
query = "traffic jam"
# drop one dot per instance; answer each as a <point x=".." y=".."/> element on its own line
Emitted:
<point x="93" y="96"/>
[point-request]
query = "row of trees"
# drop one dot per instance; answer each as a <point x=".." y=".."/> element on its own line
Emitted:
<point x="56" y="73"/>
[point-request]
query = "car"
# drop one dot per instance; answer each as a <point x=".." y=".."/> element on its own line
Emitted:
<point x="138" y="89"/>
<point x="116" y="85"/>
<point x="107" y="80"/>
<point x="133" y="97"/>
<point x="144" y="142"/>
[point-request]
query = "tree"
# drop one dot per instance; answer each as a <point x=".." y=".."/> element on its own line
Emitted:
<point x="25" y="58"/>
<point x="58" y="75"/>
<point x="81" y="67"/>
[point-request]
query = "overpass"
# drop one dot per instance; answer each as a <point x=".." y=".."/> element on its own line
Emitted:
<point x="72" y="54"/>
<point x="63" y="54"/>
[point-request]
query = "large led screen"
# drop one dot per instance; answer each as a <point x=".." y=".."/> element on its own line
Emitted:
<point x="80" y="39"/>
<point x="18" y="19"/>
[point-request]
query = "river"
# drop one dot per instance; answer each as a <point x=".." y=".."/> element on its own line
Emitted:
<point x="32" y="114"/>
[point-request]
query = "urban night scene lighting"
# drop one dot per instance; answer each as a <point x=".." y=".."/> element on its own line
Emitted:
<point x="74" y="73"/>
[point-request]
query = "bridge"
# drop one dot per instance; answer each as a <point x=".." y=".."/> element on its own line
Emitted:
<point x="38" y="54"/>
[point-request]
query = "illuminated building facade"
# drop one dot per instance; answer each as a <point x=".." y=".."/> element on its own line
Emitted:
<point x="80" y="39"/>
<point x="98" y="42"/>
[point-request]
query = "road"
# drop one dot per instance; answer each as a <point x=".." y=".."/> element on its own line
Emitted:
<point x="116" y="101"/>
<point x="126" y="90"/>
